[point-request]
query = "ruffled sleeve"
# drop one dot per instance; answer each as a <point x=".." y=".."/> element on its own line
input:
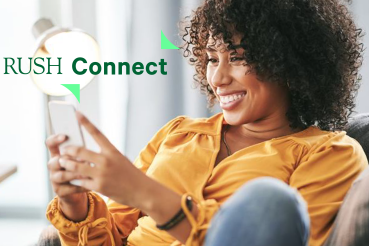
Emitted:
<point x="97" y="229"/>
<point x="200" y="225"/>
<point x="324" y="176"/>
<point x="110" y="223"/>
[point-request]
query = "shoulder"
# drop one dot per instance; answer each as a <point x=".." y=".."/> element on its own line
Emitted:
<point x="314" y="138"/>
<point x="334" y="143"/>
<point x="209" y="126"/>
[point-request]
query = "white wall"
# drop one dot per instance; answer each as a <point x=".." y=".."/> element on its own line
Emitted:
<point x="22" y="124"/>
<point x="361" y="13"/>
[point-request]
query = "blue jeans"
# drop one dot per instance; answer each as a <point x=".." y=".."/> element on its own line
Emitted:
<point x="263" y="212"/>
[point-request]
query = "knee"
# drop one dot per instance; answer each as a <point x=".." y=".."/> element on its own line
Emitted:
<point x="269" y="194"/>
<point x="49" y="237"/>
<point x="274" y="212"/>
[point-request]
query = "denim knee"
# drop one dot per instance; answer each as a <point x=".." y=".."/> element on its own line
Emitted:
<point x="262" y="211"/>
<point x="269" y="189"/>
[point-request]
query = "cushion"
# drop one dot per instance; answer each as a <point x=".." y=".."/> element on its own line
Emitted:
<point x="351" y="227"/>
<point x="358" y="128"/>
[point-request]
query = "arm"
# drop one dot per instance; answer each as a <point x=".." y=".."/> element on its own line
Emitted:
<point x="323" y="177"/>
<point x="119" y="219"/>
<point x="164" y="203"/>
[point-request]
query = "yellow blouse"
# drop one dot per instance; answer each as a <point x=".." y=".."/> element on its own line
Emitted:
<point x="321" y="165"/>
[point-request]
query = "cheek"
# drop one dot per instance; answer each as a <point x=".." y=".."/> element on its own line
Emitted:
<point x="209" y="75"/>
<point x="258" y="98"/>
<point x="240" y="73"/>
<point x="268" y="98"/>
<point x="261" y="97"/>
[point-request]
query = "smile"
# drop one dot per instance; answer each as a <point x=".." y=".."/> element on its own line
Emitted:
<point x="231" y="98"/>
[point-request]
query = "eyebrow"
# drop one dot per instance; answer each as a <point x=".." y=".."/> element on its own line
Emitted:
<point x="210" y="49"/>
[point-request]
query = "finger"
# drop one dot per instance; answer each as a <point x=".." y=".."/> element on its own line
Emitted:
<point x="64" y="176"/>
<point x="79" y="168"/>
<point x="88" y="184"/>
<point x="53" y="164"/>
<point x="100" y="139"/>
<point x="53" y="142"/>
<point x="68" y="189"/>
<point x="81" y="153"/>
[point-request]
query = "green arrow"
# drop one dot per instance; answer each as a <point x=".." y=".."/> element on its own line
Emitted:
<point x="74" y="88"/>
<point x="166" y="44"/>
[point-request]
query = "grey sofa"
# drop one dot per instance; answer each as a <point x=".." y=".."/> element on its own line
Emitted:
<point x="351" y="227"/>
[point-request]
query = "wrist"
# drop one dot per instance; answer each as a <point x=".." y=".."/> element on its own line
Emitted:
<point x="74" y="210"/>
<point x="179" y="216"/>
<point x="159" y="202"/>
<point x="162" y="204"/>
<point x="73" y="199"/>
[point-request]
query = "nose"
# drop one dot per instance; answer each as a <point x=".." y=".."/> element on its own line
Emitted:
<point x="221" y="76"/>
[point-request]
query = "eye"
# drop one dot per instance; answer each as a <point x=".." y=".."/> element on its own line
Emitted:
<point x="236" y="59"/>
<point x="212" y="60"/>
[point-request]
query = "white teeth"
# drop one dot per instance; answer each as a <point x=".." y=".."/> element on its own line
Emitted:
<point x="231" y="98"/>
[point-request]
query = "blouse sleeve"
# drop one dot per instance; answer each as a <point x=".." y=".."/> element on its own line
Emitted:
<point x="323" y="177"/>
<point x="107" y="223"/>
<point x="206" y="211"/>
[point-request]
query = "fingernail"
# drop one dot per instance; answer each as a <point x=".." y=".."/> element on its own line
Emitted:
<point x="61" y="162"/>
<point x="76" y="182"/>
<point x="61" y="137"/>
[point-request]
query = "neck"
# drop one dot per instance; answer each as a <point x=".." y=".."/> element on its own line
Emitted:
<point x="265" y="129"/>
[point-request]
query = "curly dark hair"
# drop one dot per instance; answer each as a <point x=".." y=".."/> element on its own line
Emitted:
<point x="311" y="46"/>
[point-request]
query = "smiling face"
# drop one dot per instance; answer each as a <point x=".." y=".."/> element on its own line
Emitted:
<point x="243" y="98"/>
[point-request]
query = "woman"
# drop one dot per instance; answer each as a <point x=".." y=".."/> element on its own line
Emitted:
<point x="285" y="76"/>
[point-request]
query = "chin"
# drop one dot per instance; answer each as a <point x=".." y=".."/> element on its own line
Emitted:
<point x="235" y="119"/>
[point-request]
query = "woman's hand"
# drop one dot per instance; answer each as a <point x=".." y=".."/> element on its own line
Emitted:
<point x="72" y="199"/>
<point x="59" y="177"/>
<point x="109" y="173"/>
<point x="112" y="174"/>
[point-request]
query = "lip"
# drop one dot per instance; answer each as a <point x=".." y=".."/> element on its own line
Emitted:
<point x="231" y="105"/>
<point x="226" y="93"/>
